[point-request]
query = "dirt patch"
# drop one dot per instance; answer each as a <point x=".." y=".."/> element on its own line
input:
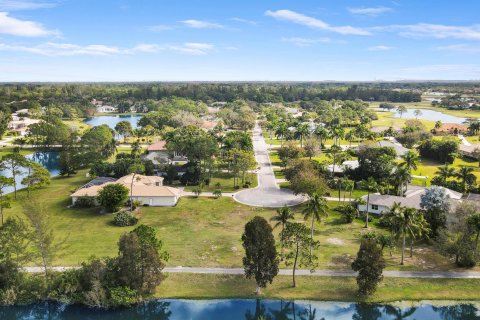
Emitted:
<point x="336" y="241"/>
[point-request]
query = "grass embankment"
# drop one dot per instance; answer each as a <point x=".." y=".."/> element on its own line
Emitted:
<point x="209" y="286"/>
<point x="4" y="150"/>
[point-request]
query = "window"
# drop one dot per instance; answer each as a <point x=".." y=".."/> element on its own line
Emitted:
<point x="374" y="206"/>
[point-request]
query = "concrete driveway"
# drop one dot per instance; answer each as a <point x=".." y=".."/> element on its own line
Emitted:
<point x="267" y="193"/>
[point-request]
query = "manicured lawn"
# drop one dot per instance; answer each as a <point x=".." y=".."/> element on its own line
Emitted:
<point x="211" y="286"/>
<point x="226" y="182"/>
<point x="428" y="167"/>
<point x="200" y="232"/>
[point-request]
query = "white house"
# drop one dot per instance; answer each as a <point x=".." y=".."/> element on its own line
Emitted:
<point x="380" y="203"/>
<point x="105" y="109"/>
<point x="149" y="190"/>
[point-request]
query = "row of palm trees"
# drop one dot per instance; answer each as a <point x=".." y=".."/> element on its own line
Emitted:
<point x="402" y="222"/>
<point x="302" y="131"/>
<point x="464" y="174"/>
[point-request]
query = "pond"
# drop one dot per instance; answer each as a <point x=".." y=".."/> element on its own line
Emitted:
<point x="112" y="121"/>
<point x="49" y="160"/>
<point x="248" y="310"/>
<point x="428" y="114"/>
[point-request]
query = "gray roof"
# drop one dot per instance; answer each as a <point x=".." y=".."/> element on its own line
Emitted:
<point x="99" y="181"/>
<point x="411" y="199"/>
<point x="401" y="150"/>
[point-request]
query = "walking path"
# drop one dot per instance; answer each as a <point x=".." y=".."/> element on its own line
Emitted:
<point x="267" y="193"/>
<point x="463" y="140"/>
<point x="303" y="272"/>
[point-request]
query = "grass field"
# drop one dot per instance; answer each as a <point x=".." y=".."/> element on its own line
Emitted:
<point x="209" y="286"/>
<point x="226" y="182"/>
<point x="197" y="232"/>
<point x="428" y="167"/>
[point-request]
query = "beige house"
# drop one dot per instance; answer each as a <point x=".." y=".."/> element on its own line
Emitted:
<point x="149" y="190"/>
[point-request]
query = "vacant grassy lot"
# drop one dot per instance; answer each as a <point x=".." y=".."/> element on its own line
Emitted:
<point x="428" y="167"/>
<point x="208" y="286"/>
<point x="200" y="232"/>
<point x="226" y="182"/>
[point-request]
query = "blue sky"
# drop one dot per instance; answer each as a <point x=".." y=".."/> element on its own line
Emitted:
<point x="159" y="40"/>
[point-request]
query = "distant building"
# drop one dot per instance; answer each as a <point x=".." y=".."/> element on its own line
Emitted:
<point x="105" y="109"/>
<point x="157" y="152"/>
<point x="451" y="128"/>
<point x="149" y="190"/>
<point x="381" y="203"/>
<point x="346" y="165"/>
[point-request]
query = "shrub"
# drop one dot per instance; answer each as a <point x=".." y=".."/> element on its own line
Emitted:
<point x="84" y="202"/>
<point x="217" y="193"/>
<point x="123" y="296"/>
<point x="124" y="219"/>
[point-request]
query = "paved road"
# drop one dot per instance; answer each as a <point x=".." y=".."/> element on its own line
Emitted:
<point x="304" y="272"/>
<point x="267" y="193"/>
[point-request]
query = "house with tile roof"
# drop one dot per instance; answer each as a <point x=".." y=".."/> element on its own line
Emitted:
<point x="149" y="190"/>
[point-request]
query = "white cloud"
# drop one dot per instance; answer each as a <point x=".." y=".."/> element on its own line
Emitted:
<point x="298" y="18"/>
<point x="380" y="48"/>
<point x="24" y="28"/>
<point x="160" y="28"/>
<point x="466" y="48"/>
<point x="199" y="24"/>
<point x="13" y="5"/>
<point x="244" y="21"/>
<point x="376" y="11"/>
<point x="193" y="48"/>
<point x="67" y="49"/>
<point x="305" y="42"/>
<point x="438" y="31"/>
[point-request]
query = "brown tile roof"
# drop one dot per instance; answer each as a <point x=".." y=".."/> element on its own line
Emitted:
<point x="157" y="146"/>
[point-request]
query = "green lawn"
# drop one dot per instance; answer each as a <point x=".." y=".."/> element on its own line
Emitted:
<point x="428" y="167"/>
<point x="200" y="232"/>
<point x="211" y="286"/>
<point x="4" y="150"/>
<point x="226" y="182"/>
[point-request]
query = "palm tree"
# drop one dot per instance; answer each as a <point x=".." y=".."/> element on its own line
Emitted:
<point x="371" y="186"/>
<point x="322" y="134"/>
<point x="465" y="174"/>
<point x="271" y="126"/>
<point x="302" y="131"/>
<point x="281" y="218"/>
<point x="334" y="150"/>
<point x="337" y="133"/>
<point x="402" y="177"/>
<point x="281" y="131"/>
<point x="401" y="110"/>
<point x="438" y="124"/>
<point x="316" y="208"/>
<point x="350" y="136"/>
<point x="445" y="172"/>
<point x="417" y="113"/>
<point x="410" y="160"/>
<point x="405" y="221"/>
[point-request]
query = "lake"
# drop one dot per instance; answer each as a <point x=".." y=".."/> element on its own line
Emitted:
<point x="433" y="115"/>
<point x="49" y="160"/>
<point x="112" y="121"/>
<point x="248" y="310"/>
